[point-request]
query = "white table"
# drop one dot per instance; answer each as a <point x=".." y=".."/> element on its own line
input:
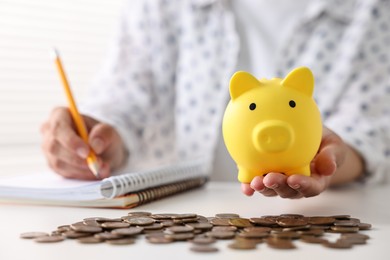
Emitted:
<point x="370" y="204"/>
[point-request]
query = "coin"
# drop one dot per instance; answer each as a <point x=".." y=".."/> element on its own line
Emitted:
<point x="280" y="243"/>
<point x="139" y="214"/>
<point x="221" y="234"/>
<point x="227" y="215"/>
<point x="240" y="222"/>
<point x="74" y="234"/>
<point x="107" y="236"/>
<point x="85" y="229"/>
<point x="224" y="228"/>
<point x="292" y="222"/>
<point x="49" y="239"/>
<point x="277" y="231"/>
<point x="220" y="221"/>
<point x="180" y="236"/>
<point x="131" y="231"/>
<point x="243" y="244"/>
<point x="31" y="235"/>
<point x="339" y="244"/>
<point x="268" y="222"/>
<point x="344" y="229"/>
<point x="203" y="249"/>
<point x="89" y="240"/>
<point x="140" y="221"/>
<point x="180" y="229"/>
<point x="253" y="234"/>
<point x="159" y="240"/>
<point x="114" y="225"/>
<point x="121" y="241"/>
<point x="203" y="240"/>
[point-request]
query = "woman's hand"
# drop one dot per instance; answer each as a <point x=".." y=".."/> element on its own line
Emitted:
<point x="333" y="158"/>
<point x="66" y="152"/>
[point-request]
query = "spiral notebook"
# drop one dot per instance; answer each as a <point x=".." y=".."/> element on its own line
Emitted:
<point x="126" y="190"/>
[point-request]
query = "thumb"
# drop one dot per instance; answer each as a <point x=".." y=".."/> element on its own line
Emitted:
<point x="101" y="137"/>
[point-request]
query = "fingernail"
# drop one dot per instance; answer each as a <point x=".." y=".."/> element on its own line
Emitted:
<point x="296" y="186"/>
<point x="82" y="152"/>
<point x="97" y="145"/>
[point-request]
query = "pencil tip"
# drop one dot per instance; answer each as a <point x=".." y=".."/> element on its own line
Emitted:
<point x="54" y="53"/>
<point x="94" y="167"/>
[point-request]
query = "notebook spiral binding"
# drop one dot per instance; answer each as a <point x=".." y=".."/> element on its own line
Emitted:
<point x="169" y="189"/>
<point x="118" y="185"/>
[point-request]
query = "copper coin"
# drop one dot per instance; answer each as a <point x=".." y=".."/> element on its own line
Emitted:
<point x="63" y="228"/>
<point x="222" y="234"/>
<point x="224" y="228"/>
<point x="154" y="226"/>
<point x="317" y="220"/>
<point x="280" y="243"/>
<point x="203" y="240"/>
<point x="364" y="226"/>
<point x="115" y="225"/>
<point x="342" y="229"/>
<point x="257" y="229"/>
<point x="220" y="222"/>
<point x="159" y="240"/>
<point x="139" y="214"/>
<point x="121" y="241"/>
<point x="179" y="229"/>
<point x="180" y="236"/>
<point x="91" y="223"/>
<point x="339" y="244"/>
<point x="263" y="221"/>
<point x="89" y="240"/>
<point x="285" y="235"/>
<point x="85" y="229"/>
<point x="203" y="249"/>
<point x="49" y="239"/>
<point x="291" y="222"/>
<point x="75" y="234"/>
<point x="185" y="216"/>
<point x="107" y="236"/>
<point x="140" y="221"/>
<point x="227" y="215"/>
<point x="253" y="234"/>
<point x="346" y="223"/>
<point x="131" y="231"/>
<point x="243" y="245"/>
<point x="240" y="222"/>
<point x="165" y="216"/>
<point x="202" y="226"/>
<point x="31" y="235"/>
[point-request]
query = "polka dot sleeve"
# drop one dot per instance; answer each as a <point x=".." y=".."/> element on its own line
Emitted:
<point x="362" y="116"/>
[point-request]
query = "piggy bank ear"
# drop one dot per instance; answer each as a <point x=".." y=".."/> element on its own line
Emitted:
<point x="300" y="79"/>
<point x="241" y="82"/>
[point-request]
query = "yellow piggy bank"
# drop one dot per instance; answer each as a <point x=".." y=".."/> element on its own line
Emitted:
<point x="272" y="125"/>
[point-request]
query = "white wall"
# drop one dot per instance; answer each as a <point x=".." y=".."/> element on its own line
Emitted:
<point x="29" y="84"/>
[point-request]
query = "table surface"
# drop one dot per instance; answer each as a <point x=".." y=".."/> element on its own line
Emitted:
<point x="368" y="203"/>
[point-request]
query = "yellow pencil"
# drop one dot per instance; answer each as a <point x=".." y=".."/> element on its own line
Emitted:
<point x="78" y="120"/>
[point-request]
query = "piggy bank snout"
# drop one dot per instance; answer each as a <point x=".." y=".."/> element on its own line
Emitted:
<point x="272" y="136"/>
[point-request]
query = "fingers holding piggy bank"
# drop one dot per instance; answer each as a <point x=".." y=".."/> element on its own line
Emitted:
<point x="272" y="125"/>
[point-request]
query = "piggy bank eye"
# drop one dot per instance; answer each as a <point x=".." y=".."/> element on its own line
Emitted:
<point x="252" y="106"/>
<point x="292" y="103"/>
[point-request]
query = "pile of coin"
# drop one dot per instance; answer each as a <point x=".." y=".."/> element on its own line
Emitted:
<point x="279" y="232"/>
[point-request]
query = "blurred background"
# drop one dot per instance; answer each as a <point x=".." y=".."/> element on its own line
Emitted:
<point x="29" y="84"/>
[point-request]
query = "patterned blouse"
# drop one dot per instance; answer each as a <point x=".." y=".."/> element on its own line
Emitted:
<point x="165" y="83"/>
